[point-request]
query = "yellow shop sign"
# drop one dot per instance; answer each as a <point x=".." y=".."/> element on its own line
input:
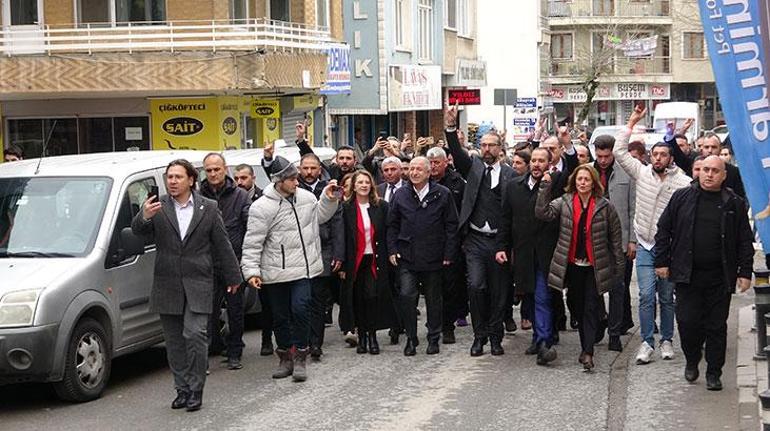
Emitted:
<point x="266" y="108"/>
<point x="201" y="123"/>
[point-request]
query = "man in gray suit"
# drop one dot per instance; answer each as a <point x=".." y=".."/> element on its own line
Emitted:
<point x="191" y="243"/>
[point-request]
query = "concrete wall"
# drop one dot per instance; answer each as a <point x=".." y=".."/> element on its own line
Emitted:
<point x="190" y="9"/>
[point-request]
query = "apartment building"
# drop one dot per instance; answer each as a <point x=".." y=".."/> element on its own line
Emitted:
<point x="643" y="51"/>
<point x="84" y="76"/>
<point x="405" y="56"/>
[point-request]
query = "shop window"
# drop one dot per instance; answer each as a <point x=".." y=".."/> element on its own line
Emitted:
<point x="140" y="11"/>
<point x="95" y="135"/>
<point x="131" y="133"/>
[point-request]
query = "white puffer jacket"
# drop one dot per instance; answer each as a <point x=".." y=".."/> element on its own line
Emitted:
<point x="282" y="241"/>
<point x="652" y="192"/>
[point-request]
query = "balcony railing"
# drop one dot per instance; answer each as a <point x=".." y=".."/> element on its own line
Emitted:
<point x="252" y="34"/>
<point x="617" y="66"/>
<point x="607" y="8"/>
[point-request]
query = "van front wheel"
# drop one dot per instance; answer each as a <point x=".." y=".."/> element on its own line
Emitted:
<point x="88" y="363"/>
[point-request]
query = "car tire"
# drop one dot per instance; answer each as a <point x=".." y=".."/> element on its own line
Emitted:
<point x="87" y="365"/>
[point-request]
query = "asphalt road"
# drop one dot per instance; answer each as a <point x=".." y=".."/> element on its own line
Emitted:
<point x="449" y="391"/>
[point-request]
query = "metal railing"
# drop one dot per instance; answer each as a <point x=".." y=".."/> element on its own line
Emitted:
<point x="251" y="34"/>
<point x="616" y="66"/>
<point x="607" y="8"/>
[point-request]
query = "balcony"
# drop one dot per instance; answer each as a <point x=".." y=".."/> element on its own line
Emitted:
<point x="592" y="12"/>
<point x="620" y="68"/>
<point x="191" y="57"/>
<point x="253" y="34"/>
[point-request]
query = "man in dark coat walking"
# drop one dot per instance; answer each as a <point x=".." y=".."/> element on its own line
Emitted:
<point x="487" y="181"/>
<point x="704" y="245"/>
<point x="422" y="241"/>
<point x="233" y="203"/>
<point x="192" y="245"/>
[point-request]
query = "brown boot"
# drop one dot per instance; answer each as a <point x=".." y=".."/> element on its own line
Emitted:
<point x="300" y="373"/>
<point x="285" y="366"/>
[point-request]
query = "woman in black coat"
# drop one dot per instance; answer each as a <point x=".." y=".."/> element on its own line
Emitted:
<point x="366" y="299"/>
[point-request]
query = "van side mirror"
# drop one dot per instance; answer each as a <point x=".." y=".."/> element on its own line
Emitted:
<point x="131" y="244"/>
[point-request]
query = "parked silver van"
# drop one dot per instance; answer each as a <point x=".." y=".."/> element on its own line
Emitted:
<point x="74" y="280"/>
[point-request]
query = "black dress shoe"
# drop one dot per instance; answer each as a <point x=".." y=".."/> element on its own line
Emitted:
<point x="316" y="352"/>
<point x="362" y="342"/>
<point x="393" y="334"/>
<point x="234" y="364"/>
<point x="532" y="349"/>
<point x="477" y="349"/>
<point x="573" y="323"/>
<point x="496" y="348"/>
<point x="195" y="402"/>
<point x="267" y="348"/>
<point x="374" y="346"/>
<point x="410" y="348"/>
<point x="545" y="354"/>
<point x="691" y="373"/>
<point x="448" y="337"/>
<point x="432" y="348"/>
<point x="180" y="401"/>
<point x="713" y="383"/>
<point x="510" y="325"/>
<point x="615" y="345"/>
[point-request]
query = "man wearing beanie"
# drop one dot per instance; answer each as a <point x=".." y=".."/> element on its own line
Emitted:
<point x="282" y="253"/>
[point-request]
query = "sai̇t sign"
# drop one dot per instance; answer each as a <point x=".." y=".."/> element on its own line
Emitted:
<point x="200" y="123"/>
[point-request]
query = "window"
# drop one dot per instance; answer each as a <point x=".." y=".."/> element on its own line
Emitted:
<point x="604" y="7"/>
<point x="279" y="10"/>
<point x="463" y="18"/>
<point x="561" y="46"/>
<point x="692" y="45"/>
<point x="140" y="10"/>
<point x="93" y="11"/>
<point x="403" y="30"/>
<point x="239" y="11"/>
<point x="24" y="12"/>
<point x="450" y="13"/>
<point x="132" y="202"/>
<point x="425" y="22"/>
<point x="322" y="13"/>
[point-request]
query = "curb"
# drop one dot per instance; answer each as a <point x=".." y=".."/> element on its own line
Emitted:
<point x="751" y="374"/>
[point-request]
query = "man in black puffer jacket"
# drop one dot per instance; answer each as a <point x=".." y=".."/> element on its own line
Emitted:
<point x="233" y="203"/>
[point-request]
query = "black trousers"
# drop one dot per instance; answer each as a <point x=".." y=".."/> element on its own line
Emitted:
<point x="233" y="302"/>
<point x="586" y="304"/>
<point x="266" y="318"/>
<point x="365" y="297"/>
<point x="527" y="308"/>
<point x="320" y="296"/>
<point x="702" y="308"/>
<point x="455" y="294"/>
<point x="487" y="281"/>
<point x="620" y="319"/>
<point x="409" y="294"/>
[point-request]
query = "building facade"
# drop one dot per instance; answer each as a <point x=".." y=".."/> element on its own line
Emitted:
<point x="642" y="51"/>
<point x="81" y="76"/>
<point x="405" y="55"/>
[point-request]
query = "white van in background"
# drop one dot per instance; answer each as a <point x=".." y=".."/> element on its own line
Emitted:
<point x="677" y="112"/>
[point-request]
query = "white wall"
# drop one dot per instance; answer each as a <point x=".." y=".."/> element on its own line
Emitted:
<point x="507" y="41"/>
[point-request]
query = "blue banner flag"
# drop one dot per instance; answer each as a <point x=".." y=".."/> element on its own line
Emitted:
<point x="738" y="36"/>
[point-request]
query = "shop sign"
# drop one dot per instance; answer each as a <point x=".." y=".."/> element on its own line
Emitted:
<point x="414" y="88"/>
<point x="615" y="91"/>
<point x="185" y="124"/>
<point x="337" y="70"/>
<point x="266" y="108"/>
<point x="471" y="73"/>
<point x="464" y="97"/>
<point x="307" y="102"/>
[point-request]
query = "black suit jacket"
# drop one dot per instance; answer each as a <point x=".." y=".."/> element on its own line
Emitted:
<point x="472" y="170"/>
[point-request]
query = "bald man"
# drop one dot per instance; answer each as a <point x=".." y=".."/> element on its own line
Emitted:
<point x="704" y="245"/>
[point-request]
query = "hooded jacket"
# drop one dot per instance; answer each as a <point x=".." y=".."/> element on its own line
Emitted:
<point x="282" y="242"/>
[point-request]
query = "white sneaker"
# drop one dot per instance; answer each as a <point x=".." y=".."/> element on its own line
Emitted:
<point x="666" y="350"/>
<point x="644" y="354"/>
<point x="350" y="338"/>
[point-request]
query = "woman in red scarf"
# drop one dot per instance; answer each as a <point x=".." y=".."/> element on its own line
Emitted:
<point x="589" y="252"/>
<point x="366" y="298"/>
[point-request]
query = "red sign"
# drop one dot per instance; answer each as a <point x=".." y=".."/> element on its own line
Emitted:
<point x="465" y="97"/>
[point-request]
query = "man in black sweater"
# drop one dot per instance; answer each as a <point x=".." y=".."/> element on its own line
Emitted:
<point x="704" y="245"/>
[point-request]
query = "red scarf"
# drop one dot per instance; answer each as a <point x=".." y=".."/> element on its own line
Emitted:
<point x="361" y="242"/>
<point x="577" y="210"/>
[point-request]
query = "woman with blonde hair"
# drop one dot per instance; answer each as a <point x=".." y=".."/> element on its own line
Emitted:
<point x="366" y="299"/>
<point x="589" y="257"/>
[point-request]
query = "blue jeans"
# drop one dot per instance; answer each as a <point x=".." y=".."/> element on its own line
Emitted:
<point x="543" y="324"/>
<point x="290" y="305"/>
<point x="649" y="285"/>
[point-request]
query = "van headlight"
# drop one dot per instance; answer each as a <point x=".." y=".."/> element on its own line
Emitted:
<point x="18" y="308"/>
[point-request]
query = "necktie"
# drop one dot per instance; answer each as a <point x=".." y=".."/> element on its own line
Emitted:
<point x="391" y="189"/>
<point x="489" y="175"/>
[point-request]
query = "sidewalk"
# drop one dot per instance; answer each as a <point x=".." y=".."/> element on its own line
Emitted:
<point x="751" y="373"/>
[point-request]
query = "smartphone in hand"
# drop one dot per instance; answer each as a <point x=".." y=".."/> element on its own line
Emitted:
<point x="153" y="192"/>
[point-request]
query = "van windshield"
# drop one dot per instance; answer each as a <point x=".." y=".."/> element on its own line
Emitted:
<point x="50" y="217"/>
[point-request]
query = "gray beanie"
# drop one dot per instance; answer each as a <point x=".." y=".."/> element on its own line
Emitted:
<point x="282" y="169"/>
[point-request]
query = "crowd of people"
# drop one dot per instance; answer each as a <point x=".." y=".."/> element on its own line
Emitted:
<point x="474" y="229"/>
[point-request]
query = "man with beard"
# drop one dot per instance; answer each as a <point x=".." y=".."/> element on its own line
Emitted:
<point x="455" y="291"/>
<point x="344" y="163"/>
<point x="655" y="183"/>
<point x="532" y="242"/>
<point x="487" y="182"/>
